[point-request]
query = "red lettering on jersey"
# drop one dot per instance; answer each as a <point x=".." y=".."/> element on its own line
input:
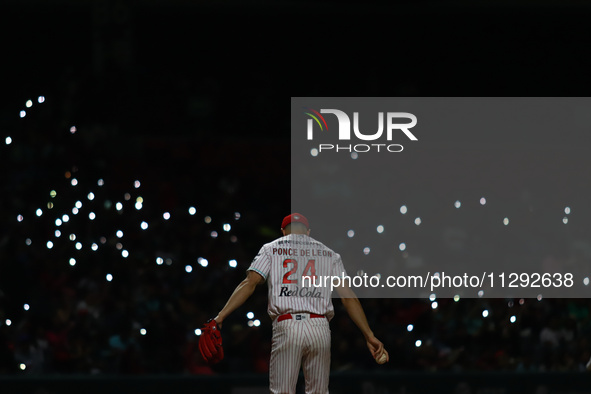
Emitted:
<point x="286" y="279"/>
<point x="310" y="270"/>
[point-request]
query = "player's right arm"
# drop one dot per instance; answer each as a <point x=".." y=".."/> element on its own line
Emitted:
<point x="242" y="292"/>
<point x="356" y="313"/>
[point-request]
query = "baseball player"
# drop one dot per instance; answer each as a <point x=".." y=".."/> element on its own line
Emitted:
<point x="300" y="309"/>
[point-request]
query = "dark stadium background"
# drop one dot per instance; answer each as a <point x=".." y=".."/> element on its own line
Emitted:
<point x="191" y="99"/>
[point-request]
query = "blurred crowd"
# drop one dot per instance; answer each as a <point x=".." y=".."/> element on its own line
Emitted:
<point x="59" y="317"/>
<point x="98" y="310"/>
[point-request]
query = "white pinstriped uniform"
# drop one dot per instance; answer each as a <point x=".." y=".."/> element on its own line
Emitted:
<point x="301" y="341"/>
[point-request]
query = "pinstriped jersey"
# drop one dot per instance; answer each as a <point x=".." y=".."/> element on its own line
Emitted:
<point x="294" y="267"/>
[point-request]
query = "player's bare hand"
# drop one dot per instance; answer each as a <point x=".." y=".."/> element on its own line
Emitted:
<point x="376" y="347"/>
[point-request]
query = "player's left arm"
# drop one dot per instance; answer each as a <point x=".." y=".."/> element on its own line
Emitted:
<point x="242" y="292"/>
<point x="356" y="313"/>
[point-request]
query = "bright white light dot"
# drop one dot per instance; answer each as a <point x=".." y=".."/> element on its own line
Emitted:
<point x="250" y="315"/>
<point x="586" y="281"/>
<point x="403" y="209"/>
<point x="166" y="215"/>
<point x="350" y="233"/>
<point x="236" y="215"/>
<point x="91" y="216"/>
<point x="314" y="152"/>
<point x="214" y="234"/>
<point x="26" y="307"/>
<point x="19" y="218"/>
<point x="29" y="103"/>
<point x="143" y="331"/>
<point x="72" y="237"/>
<point x="8" y="322"/>
<point x="192" y="211"/>
<point x="72" y="261"/>
<point x="539" y="297"/>
<point x="366" y="250"/>
<point x="119" y="233"/>
<point x="65" y="218"/>
<point x="22" y="366"/>
<point x="78" y="204"/>
<point x="257" y="323"/>
<point x="434" y="305"/>
<point x="73" y="129"/>
<point x="90" y="196"/>
<point x="100" y="182"/>
<point x="456" y="298"/>
<point x="58" y="222"/>
<point x="432" y="297"/>
<point x="75" y="211"/>
<point x="49" y="244"/>
<point x="39" y="212"/>
<point x="74" y="181"/>
<point x="480" y="293"/>
<point x="159" y="260"/>
<point x="410" y="327"/>
<point x="485" y="313"/>
<point x="188" y="269"/>
<point x="136" y="184"/>
<point x="233" y="263"/>
<point x="124" y="253"/>
<point x="482" y="201"/>
<point x="23" y="114"/>
<point x="418" y="221"/>
<point x="119" y="206"/>
<point x="8" y="140"/>
<point x="380" y="229"/>
<point x="418" y="343"/>
<point x="198" y="332"/>
<point x="109" y="277"/>
<point x="40" y="99"/>
<point x="567" y="210"/>
<point x="250" y="323"/>
<point x="58" y="233"/>
<point x="513" y="319"/>
<point x="144" y="225"/>
<point x="565" y="220"/>
<point x="506" y="221"/>
<point x="138" y="205"/>
<point x="402" y="246"/>
<point x="226" y="227"/>
<point x="78" y="245"/>
<point x="94" y="247"/>
<point x="203" y="262"/>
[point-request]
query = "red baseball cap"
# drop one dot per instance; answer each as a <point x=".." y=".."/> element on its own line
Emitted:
<point x="295" y="218"/>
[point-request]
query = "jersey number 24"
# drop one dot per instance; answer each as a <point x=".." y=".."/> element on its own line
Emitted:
<point x="309" y="270"/>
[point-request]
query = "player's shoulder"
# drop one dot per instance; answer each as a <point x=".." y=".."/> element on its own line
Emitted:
<point x="316" y="244"/>
<point x="321" y="245"/>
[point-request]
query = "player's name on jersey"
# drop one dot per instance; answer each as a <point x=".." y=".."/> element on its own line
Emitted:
<point x="299" y="292"/>
<point x="301" y="252"/>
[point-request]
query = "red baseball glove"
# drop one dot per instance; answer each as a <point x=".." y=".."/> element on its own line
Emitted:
<point x="210" y="342"/>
